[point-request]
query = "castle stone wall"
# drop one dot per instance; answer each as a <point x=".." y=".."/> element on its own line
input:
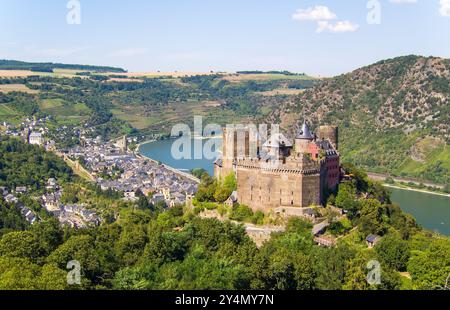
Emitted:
<point x="330" y="133"/>
<point x="266" y="190"/>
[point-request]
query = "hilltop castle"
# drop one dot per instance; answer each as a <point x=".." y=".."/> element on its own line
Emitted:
<point x="281" y="173"/>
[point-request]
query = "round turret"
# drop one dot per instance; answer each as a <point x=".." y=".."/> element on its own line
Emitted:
<point x="303" y="139"/>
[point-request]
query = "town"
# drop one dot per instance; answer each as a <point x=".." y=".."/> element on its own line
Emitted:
<point x="111" y="165"/>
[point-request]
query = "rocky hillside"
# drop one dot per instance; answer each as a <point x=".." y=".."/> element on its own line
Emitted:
<point x="385" y="112"/>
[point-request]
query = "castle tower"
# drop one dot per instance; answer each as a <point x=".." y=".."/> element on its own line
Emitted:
<point x="229" y="152"/>
<point x="122" y="143"/>
<point x="26" y="135"/>
<point x="237" y="143"/>
<point x="330" y="133"/>
<point x="303" y="139"/>
<point x="278" y="145"/>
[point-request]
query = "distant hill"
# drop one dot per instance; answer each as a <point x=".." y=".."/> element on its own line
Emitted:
<point x="49" y="67"/>
<point x="394" y="115"/>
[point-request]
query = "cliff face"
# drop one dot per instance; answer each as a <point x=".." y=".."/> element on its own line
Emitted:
<point x="383" y="111"/>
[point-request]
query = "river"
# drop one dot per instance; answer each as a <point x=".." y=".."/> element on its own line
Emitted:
<point x="430" y="211"/>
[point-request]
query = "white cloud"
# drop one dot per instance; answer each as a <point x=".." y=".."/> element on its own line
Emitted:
<point x="323" y="15"/>
<point x="338" y="27"/>
<point x="316" y="13"/>
<point x="444" y="9"/>
<point x="403" y="1"/>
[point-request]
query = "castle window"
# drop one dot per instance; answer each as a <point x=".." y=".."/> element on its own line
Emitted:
<point x="292" y="202"/>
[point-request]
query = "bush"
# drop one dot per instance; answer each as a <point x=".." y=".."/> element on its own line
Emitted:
<point x="258" y="218"/>
<point x="394" y="252"/>
<point x="241" y="213"/>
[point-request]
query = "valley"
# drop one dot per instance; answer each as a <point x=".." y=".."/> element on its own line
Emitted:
<point x="393" y="115"/>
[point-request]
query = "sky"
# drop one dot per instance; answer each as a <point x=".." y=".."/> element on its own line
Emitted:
<point x="321" y="38"/>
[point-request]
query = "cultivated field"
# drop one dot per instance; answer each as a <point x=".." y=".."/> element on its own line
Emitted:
<point x="26" y="73"/>
<point x="282" y="92"/>
<point x="160" y="74"/>
<point x="65" y="113"/>
<point x="7" y="88"/>
<point x="264" y="77"/>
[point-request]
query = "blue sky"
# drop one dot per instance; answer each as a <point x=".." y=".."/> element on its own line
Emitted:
<point x="326" y="37"/>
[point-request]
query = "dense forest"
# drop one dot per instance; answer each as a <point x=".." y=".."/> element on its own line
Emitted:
<point x="27" y="165"/>
<point x="49" y="67"/>
<point x="142" y="246"/>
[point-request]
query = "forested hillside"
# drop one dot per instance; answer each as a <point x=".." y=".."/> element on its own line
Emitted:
<point x="49" y="66"/>
<point x="117" y="104"/>
<point x="144" y="246"/>
<point x="393" y="115"/>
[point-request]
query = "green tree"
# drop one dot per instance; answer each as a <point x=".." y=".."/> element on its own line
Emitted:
<point x="21" y="244"/>
<point x="304" y="274"/>
<point x="130" y="246"/>
<point x="430" y="267"/>
<point x="330" y="266"/>
<point x="346" y="198"/>
<point x="241" y="213"/>
<point x="206" y="189"/>
<point x="164" y="247"/>
<point x="357" y="273"/>
<point x="52" y="278"/>
<point x="393" y="251"/>
<point x="225" y="189"/>
<point x="18" y="274"/>
<point x="49" y="234"/>
<point x="371" y="217"/>
<point x="82" y="249"/>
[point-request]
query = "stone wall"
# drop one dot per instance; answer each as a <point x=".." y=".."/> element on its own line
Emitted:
<point x="267" y="190"/>
<point x="330" y="133"/>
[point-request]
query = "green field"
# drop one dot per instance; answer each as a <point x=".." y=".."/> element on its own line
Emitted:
<point x="437" y="160"/>
<point x="265" y="77"/>
<point x="6" y="111"/>
<point x="9" y="115"/>
<point x="66" y="113"/>
<point x="163" y="118"/>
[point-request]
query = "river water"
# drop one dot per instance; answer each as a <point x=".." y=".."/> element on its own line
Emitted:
<point x="430" y="211"/>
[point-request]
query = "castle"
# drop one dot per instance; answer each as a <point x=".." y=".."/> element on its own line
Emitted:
<point x="277" y="172"/>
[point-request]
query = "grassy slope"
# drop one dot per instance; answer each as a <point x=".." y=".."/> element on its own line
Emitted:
<point x="65" y="113"/>
<point x="368" y="105"/>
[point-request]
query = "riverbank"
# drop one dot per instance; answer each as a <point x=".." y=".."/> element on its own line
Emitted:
<point x="174" y="170"/>
<point x="138" y="146"/>
<point x="402" y="183"/>
<point x="383" y="177"/>
<point x="416" y="190"/>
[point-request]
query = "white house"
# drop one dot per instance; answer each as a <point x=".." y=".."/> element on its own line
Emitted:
<point x="36" y="138"/>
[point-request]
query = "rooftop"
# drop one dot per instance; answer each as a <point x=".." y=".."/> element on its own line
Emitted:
<point x="305" y="133"/>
